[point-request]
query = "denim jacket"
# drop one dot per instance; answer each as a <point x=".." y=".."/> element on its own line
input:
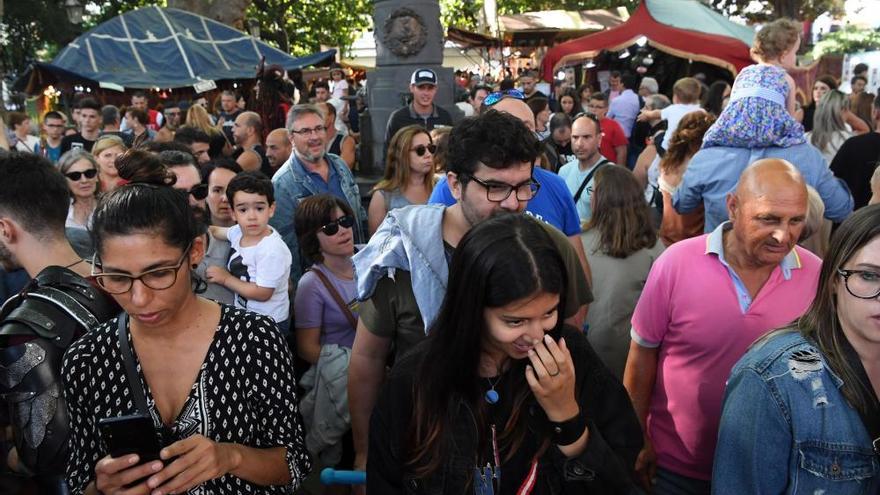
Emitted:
<point x="410" y="239"/>
<point x="787" y="428"/>
<point x="292" y="186"/>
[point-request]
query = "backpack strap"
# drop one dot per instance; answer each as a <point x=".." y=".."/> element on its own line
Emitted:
<point x="580" y="191"/>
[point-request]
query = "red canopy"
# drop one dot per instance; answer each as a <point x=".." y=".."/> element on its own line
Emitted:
<point x="712" y="39"/>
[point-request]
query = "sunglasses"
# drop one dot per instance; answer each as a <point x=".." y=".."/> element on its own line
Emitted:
<point x="199" y="191"/>
<point x="346" y="222"/>
<point x="75" y="176"/>
<point x="420" y="149"/>
<point x="497" y="96"/>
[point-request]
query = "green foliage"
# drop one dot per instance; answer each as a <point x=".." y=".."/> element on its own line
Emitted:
<point x="768" y="10"/>
<point x="466" y="14"/>
<point x="847" y="40"/>
<point x="104" y="10"/>
<point x="301" y="27"/>
<point x="28" y="28"/>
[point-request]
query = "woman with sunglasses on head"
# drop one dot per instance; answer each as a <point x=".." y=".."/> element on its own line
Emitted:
<point x="325" y="325"/>
<point x="215" y="381"/>
<point x="81" y="170"/>
<point x="502" y="394"/>
<point x="804" y="398"/>
<point x="409" y="174"/>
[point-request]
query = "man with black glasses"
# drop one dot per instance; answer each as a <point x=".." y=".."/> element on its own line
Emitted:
<point x="402" y="273"/>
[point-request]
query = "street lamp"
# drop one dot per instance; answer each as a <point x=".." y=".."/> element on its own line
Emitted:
<point x="74" y="11"/>
<point x="253" y="27"/>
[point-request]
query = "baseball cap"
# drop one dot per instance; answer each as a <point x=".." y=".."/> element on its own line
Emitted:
<point x="424" y="76"/>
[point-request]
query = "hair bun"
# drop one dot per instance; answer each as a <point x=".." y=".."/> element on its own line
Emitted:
<point x="138" y="166"/>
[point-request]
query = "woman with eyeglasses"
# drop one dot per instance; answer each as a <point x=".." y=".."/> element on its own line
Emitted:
<point x="409" y="174"/>
<point x="105" y="151"/>
<point x="81" y="170"/>
<point x="804" y="398"/>
<point x="326" y="318"/>
<point x="217" y="381"/>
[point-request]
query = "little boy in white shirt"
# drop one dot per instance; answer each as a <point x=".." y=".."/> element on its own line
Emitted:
<point x="258" y="271"/>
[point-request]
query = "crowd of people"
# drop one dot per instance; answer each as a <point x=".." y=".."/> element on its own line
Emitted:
<point x="589" y="291"/>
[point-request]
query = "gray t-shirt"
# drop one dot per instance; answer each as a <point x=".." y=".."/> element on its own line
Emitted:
<point x="217" y="254"/>
<point x="617" y="285"/>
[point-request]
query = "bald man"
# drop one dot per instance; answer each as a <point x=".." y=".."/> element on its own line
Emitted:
<point x="278" y="147"/>
<point x="247" y="132"/>
<point x="705" y="301"/>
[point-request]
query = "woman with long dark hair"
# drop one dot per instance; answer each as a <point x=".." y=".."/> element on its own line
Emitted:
<point x="216" y="382"/>
<point x="502" y="395"/>
<point x="804" y="398"/>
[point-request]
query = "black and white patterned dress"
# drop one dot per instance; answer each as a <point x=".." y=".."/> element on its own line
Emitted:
<point x="245" y="393"/>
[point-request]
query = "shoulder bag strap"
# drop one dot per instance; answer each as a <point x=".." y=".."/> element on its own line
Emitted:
<point x="336" y="297"/>
<point x="580" y="191"/>
<point x="134" y="381"/>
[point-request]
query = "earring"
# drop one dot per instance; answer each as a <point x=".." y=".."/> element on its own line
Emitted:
<point x="195" y="265"/>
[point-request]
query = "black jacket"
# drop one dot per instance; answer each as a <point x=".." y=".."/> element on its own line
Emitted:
<point x="605" y="466"/>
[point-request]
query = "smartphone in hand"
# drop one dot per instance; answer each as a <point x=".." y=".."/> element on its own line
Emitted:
<point x="132" y="434"/>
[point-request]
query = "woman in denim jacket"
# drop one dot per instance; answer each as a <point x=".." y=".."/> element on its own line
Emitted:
<point x="801" y="411"/>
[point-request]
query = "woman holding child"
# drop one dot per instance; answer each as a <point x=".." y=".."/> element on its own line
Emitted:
<point x="218" y="381"/>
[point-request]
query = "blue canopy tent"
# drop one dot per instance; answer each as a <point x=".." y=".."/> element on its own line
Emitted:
<point x="154" y="47"/>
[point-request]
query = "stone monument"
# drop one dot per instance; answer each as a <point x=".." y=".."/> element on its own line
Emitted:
<point x="408" y="36"/>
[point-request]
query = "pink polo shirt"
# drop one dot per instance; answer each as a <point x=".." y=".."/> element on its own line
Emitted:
<point x="691" y="309"/>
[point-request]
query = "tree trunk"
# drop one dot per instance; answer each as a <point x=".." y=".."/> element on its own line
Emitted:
<point x="229" y="12"/>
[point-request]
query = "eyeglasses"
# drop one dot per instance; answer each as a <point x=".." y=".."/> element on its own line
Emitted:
<point x="199" y="191"/>
<point x="865" y="284"/>
<point x="497" y="96"/>
<point x="345" y="221"/>
<point x="157" y="279"/>
<point x="499" y="191"/>
<point x="421" y="149"/>
<point x="75" y="176"/>
<point x="309" y="130"/>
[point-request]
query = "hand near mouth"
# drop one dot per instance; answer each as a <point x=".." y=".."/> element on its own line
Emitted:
<point x="551" y="378"/>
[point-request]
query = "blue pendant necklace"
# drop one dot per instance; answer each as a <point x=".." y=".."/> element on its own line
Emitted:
<point x="491" y="394"/>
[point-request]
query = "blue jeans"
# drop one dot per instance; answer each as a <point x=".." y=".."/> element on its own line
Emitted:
<point x="669" y="483"/>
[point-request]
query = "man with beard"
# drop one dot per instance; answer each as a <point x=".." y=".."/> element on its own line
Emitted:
<point x="578" y="173"/>
<point x="422" y="111"/>
<point x="402" y="272"/>
<point x="173" y="116"/>
<point x="247" y="133"/>
<point x="36" y="326"/>
<point x="309" y="171"/>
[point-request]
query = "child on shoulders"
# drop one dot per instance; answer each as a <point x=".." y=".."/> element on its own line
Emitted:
<point x="258" y="271"/>
<point x="762" y="102"/>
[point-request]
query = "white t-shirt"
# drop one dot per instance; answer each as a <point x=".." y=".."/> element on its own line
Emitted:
<point x="266" y="264"/>
<point x="672" y="115"/>
<point x="29" y="144"/>
<point x="338" y="89"/>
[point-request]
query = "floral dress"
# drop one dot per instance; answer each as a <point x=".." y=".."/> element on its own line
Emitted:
<point x="757" y="116"/>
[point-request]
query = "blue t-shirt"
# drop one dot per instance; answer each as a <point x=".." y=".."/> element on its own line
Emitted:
<point x="553" y="204"/>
